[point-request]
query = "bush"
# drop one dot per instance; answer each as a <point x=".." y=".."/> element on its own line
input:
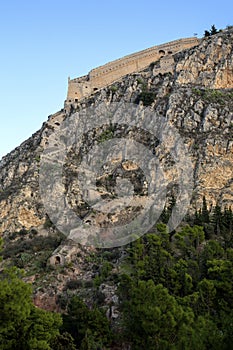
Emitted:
<point x="106" y="135"/>
<point x="89" y="284"/>
<point x="35" y="244"/>
<point x="74" y="284"/>
<point x="113" y="88"/>
<point x="48" y="223"/>
<point x="146" y="96"/>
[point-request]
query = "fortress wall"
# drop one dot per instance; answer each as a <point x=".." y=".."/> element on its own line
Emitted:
<point x="113" y="71"/>
<point x="166" y="65"/>
<point x="77" y="90"/>
<point x="111" y="75"/>
<point x="175" y="45"/>
<point x="145" y="55"/>
<point x="79" y="79"/>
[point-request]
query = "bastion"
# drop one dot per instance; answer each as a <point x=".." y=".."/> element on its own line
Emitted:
<point x="111" y="72"/>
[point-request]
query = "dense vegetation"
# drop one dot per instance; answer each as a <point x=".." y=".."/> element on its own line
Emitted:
<point x="22" y="325"/>
<point x="175" y="292"/>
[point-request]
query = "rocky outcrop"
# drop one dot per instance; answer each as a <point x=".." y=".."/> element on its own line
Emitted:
<point x="210" y="65"/>
<point x="184" y="92"/>
<point x="20" y="204"/>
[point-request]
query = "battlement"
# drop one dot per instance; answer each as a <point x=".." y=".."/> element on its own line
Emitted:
<point x="80" y="79"/>
<point x="107" y="74"/>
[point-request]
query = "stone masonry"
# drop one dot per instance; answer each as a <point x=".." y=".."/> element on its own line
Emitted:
<point x="102" y="76"/>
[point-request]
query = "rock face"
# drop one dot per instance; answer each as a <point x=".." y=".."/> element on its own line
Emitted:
<point x="210" y="65"/>
<point x="20" y="205"/>
<point x="191" y="90"/>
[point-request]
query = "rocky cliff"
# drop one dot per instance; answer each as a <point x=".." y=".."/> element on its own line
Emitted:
<point x="190" y="92"/>
<point x="195" y="96"/>
<point x="193" y="92"/>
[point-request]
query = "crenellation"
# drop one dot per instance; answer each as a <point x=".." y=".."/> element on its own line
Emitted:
<point x="108" y="73"/>
<point x="80" y="79"/>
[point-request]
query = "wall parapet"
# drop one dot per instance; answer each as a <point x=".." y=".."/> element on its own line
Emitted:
<point x="108" y="73"/>
<point x="79" y="79"/>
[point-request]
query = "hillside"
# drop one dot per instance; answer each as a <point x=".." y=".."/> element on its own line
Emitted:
<point x="196" y="97"/>
<point x="190" y="96"/>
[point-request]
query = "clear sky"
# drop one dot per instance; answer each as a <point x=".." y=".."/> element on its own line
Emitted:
<point x="45" y="41"/>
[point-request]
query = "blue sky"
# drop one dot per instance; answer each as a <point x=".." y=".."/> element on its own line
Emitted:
<point x="45" y="41"/>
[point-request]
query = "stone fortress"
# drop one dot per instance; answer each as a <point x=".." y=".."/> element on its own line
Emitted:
<point x="111" y="72"/>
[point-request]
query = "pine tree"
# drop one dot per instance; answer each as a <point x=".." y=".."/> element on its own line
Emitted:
<point x="206" y="34"/>
<point x="213" y="30"/>
<point x="205" y="212"/>
<point x="22" y="325"/>
<point x="217" y="219"/>
<point x="156" y="321"/>
<point x="83" y="323"/>
<point x="227" y="227"/>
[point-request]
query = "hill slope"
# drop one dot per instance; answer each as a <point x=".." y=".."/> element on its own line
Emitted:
<point x="195" y="96"/>
<point x="188" y="99"/>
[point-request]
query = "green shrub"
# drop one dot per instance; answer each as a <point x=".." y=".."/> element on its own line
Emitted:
<point x="146" y="96"/>
<point x="37" y="158"/>
<point x="89" y="284"/>
<point x="35" y="244"/>
<point x="113" y="88"/>
<point x="48" y="223"/>
<point x="140" y="81"/>
<point x="106" y="135"/>
<point x="74" y="284"/>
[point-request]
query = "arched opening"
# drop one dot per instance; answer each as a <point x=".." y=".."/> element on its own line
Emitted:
<point x="57" y="260"/>
<point x="95" y="89"/>
<point x="162" y="52"/>
<point x="169" y="52"/>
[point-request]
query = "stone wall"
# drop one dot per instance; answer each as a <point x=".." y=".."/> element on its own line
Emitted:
<point x="102" y="76"/>
<point x="166" y="65"/>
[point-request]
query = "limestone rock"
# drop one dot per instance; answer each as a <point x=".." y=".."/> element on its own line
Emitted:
<point x="182" y="88"/>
